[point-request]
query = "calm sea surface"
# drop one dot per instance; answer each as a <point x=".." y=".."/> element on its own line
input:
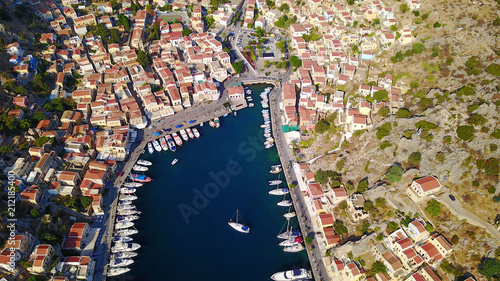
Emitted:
<point x="183" y="227"/>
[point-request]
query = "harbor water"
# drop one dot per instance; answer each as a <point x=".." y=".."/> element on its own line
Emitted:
<point x="183" y="227"/>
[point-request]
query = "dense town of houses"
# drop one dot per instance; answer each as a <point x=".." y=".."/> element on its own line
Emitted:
<point x="115" y="98"/>
<point x="410" y="253"/>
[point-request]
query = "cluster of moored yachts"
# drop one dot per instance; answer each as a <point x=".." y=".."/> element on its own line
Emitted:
<point x="123" y="250"/>
<point x="170" y="142"/>
<point x="267" y="120"/>
<point x="291" y="240"/>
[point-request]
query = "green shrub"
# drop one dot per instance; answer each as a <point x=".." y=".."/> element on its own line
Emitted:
<point x="394" y="174"/>
<point x="414" y="84"/>
<point x="415" y="158"/>
<point x="425" y="103"/>
<point x="491" y="166"/>
<point x="493" y="69"/>
<point x="385" y="144"/>
<point x="436" y="24"/>
<point x="384" y="130"/>
<point x="424" y="125"/>
<point x="465" y="133"/>
<point x="440" y="157"/>
<point x="322" y="126"/>
<point x="384" y="111"/>
<point x="380" y="202"/>
<point x="477" y="120"/>
<point x="472" y="107"/>
<point x="493" y="147"/>
<point x="392" y="226"/>
<point x="447" y="140"/>
<point x="495" y="134"/>
<point x="429" y="227"/>
<point x="417" y="48"/>
<point x="465" y="91"/>
<point x="433" y="208"/>
<point x="402" y="113"/>
<point x="429" y="138"/>
<point x="408" y="134"/>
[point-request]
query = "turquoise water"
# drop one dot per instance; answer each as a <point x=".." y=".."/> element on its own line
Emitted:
<point x="183" y="228"/>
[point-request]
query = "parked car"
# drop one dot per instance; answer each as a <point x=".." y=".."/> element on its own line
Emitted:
<point x="452" y="197"/>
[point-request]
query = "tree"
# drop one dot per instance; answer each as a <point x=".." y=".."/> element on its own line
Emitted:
<point x="394" y="174"/>
<point x="362" y="186"/>
<point x="489" y="268"/>
<point x="260" y="32"/>
<point x="384" y="130"/>
<point x="415" y="158"/>
<point x="433" y="207"/>
<point x="465" y="133"/>
<point x="414" y="84"/>
<point x="85" y="201"/>
<point x="322" y="126"/>
<point x="493" y="69"/>
<point x="309" y="240"/>
<point x="114" y="35"/>
<point x="378" y="267"/>
<point x="5" y="149"/>
<point x="295" y="61"/>
<point x="281" y="45"/>
<point x="186" y="31"/>
<point x="144" y="58"/>
<point x="381" y="95"/>
<point x="339" y="228"/>
<point x="440" y="157"/>
<point x="404" y="8"/>
<point x="284" y="8"/>
<point x="238" y="66"/>
<point x="417" y="48"/>
<point x="364" y="227"/>
<point x="339" y="166"/>
<point x="436" y="24"/>
<point x="35" y="213"/>
<point x="368" y="205"/>
<point x="380" y="202"/>
<point x="402" y="113"/>
<point x="384" y="111"/>
<point x="392" y="226"/>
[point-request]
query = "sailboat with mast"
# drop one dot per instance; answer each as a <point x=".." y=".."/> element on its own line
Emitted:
<point x="238" y="226"/>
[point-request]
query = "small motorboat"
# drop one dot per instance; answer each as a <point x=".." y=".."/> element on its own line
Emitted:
<point x="275" y="182"/>
<point x="139" y="168"/>
<point x="295" y="274"/>
<point x="144" y="162"/>
<point x="174" y="161"/>
<point x="196" y="133"/>
<point x="285" y="203"/>
<point x="279" y="191"/>
<point x="289" y="215"/>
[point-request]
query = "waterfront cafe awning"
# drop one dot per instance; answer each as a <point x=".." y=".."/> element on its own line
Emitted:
<point x="287" y="128"/>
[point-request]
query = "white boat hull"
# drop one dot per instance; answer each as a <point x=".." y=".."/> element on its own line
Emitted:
<point x="117" y="271"/>
<point x="285" y="203"/>
<point x="120" y="262"/>
<point x="297" y="274"/>
<point x="239" y="227"/>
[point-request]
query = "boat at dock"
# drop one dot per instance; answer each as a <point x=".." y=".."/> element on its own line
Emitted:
<point x="217" y="122"/>
<point x="156" y="145"/>
<point x="163" y="143"/>
<point x="184" y="134"/>
<point x="150" y="148"/>
<point x="251" y="104"/>
<point x="196" y="133"/>
<point x="115" y="271"/>
<point x="289" y="215"/>
<point x="124" y="224"/>
<point x="211" y="123"/>
<point x="128" y="197"/>
<point x="139" y="168"/>
<point x="124" y="255"/>
<point x="171" y="144"/>
<point x="291" y="242"/>
<point x="269" y="145"/>
<point x="125" y="190"/>
<point x="126" y="232"/>
<point x="238" y="226"/>
<point x="275" y="182"/>
<point x="139" y="178"/>
<point x="294" y="248"/>
<point x="174" y="161"/>
<point x="177" y="139"/>
<point x="124" y="203"/>
<point x="144" y="162"/>
<point x="128" y="212"/>
<point x="289" y="234"/>
<point x="264" y="126"/>
<point x="275" y="169"/>
<point x="279" y="191"/>
<point x="127" y="218"/>
<point x="294" y="274"/>
<point x="201" y="124"/>
<point x="132" y="184"/>
<point x="129" y="207"/>
<point x="285" y="203"/>
<point x="120" y="262"/>
<point x="125" y="247"/>
<point x="190" y="133"/>
<point x="122" y="239"/>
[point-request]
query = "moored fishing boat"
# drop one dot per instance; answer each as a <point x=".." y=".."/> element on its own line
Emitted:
<point x="170" y="143"/>
<point x="251" y="104"/>
<point x="275" y="169"/>
<point x="289" y="234"/>
<point x="174" y="161"/>
<point x="211" y="123"/>
<point x="156" y="145"/>
<point x="127" y="218"/>
<point x="184" y="134"/>
<point x="267" y="146"/>
<point x="150" y="148"/>
<point x="132" y="184"/>
<point x="144" y="162"/>
<point x="163" y="143"/>
<point x="177" y="139"/>
<point x="124" y="190"/>
<point x="128" y="212"/>
<point x="190" y="133"/>
<point x="196" y="133"/>
<point x="139" y="178"/>
<point x="217" y="122"/>
<point x="139" y="168"/>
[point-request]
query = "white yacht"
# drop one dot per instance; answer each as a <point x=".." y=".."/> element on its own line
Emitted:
<point x="122" y="239"/>
<point x="289" y="215"/>
<point x="291" y="242"/>
<point x="125" y="247"/>
<point x="174" y="161"/>
<point x="125" y="190"/>
<point x="115" y="271"/>
<point x="125" y="207"/>
<point x="190" y="133"/>
<point x="144" y="162"/>
<point x="238" y="226"/>
<point x="184" y="135"/>
<point x="127" y="218"/>
<point x="128" y="197"/>
<point x="126" y="232"/>
<point x="285" y="203"/>
<point x="267" y="146"/>
<point x="128" y="212"/>
<point x="124" y="224"/>
<point x="279" y="191"/>
<point x="289" y="234"/>
<point x="133" y="184"/>
<point x="251" y="104"/>
<point x="295" y="274"/>
<point x="275" y="182"/>
<point x="124" y="255"/>
<point x="164" y="144"/>
<point x="294" y="249"/>
<point x="124" y="203"/>
<point x="120" y="262"/>
<point x="275" y="169"/>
